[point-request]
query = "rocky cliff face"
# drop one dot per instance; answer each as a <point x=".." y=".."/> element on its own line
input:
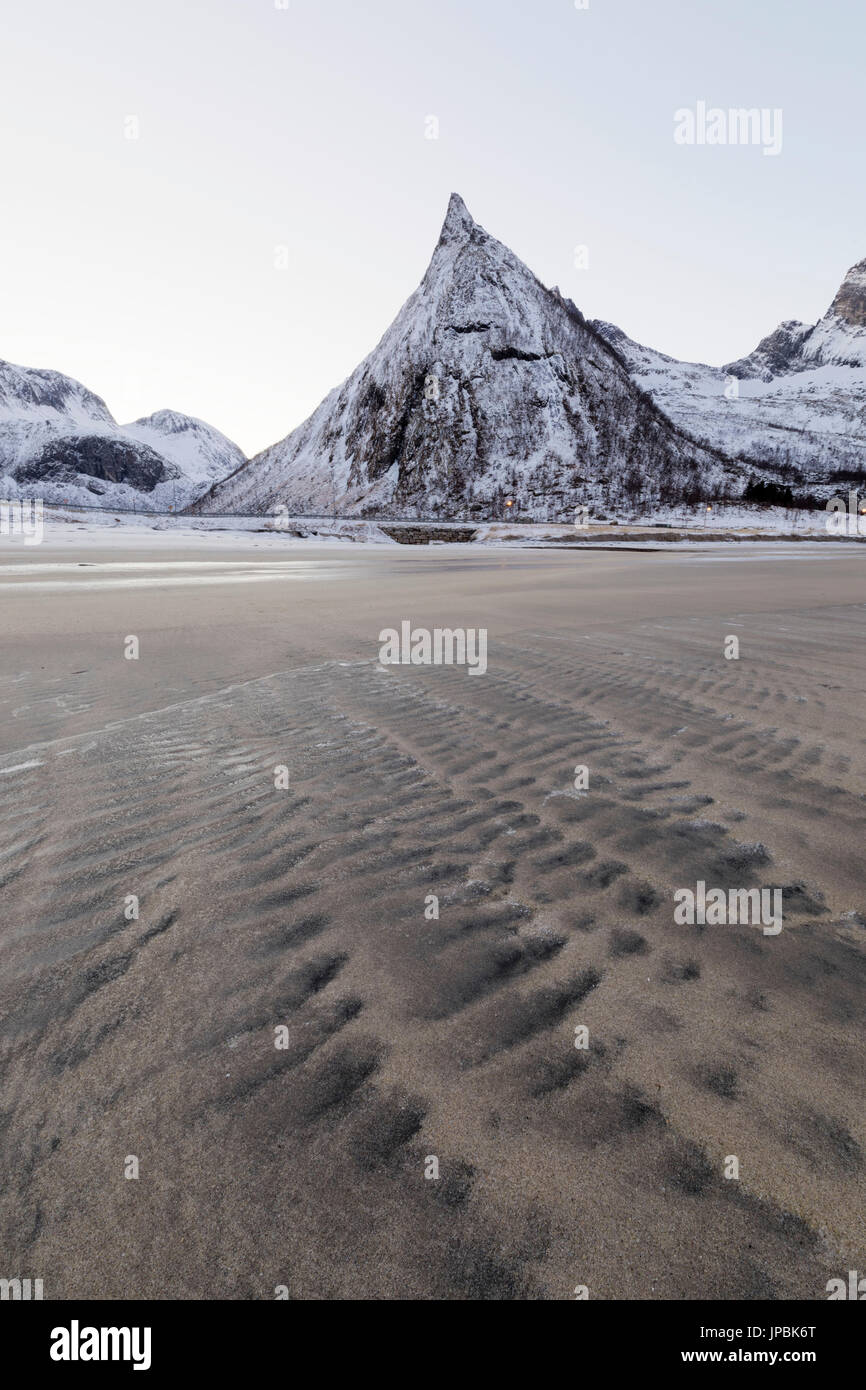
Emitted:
<point x="486" y="385"/>
<point x="101" y="458"/>
<point x="849" y="306"/>
<point x="776" y="354"/>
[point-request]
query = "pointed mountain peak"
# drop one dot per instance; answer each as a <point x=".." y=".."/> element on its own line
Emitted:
<point x="485" y="383"/>
<point x="459" y="223"/>
<point x="850" y="302"/>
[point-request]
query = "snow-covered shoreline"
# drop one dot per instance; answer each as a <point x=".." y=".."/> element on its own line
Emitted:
<point x="70" y="527"/>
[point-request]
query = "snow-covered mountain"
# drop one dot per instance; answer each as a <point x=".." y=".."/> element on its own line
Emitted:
<point x="60" y="442"/>
<point x="798" y="402"/>
<point x="837" y="340"/>
<point x="486" y="385"/>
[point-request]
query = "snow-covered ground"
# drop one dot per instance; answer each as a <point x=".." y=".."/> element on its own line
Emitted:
<point x="71" y="528"/>
<point x="75" y="528"/>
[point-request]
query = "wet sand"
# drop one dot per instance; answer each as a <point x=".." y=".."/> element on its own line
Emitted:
<point x="410" y="1037"/>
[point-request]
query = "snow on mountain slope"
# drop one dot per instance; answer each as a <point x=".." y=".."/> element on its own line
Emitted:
<point x="486" y="384"/>
<point x="201" y="452"/>
<point x="48" y="396"/>
<point x="797" y="402"/>
<point x="35" y="405"/>
<point x="60" y="442"/>
<point x="837" y="340"/>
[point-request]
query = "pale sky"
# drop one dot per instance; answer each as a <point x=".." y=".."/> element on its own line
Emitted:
<point x="146" y="267"/>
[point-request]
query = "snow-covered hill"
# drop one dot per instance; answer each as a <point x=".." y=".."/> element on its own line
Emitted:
<point x="60" y="442"/>
<point x="486" y="385"/>
<point x="797" y="402"/>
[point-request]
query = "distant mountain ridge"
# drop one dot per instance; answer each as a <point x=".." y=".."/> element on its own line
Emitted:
<point x="836" y="340"/>
<point x="59" y="441"/>
<point x="797" y="403"/>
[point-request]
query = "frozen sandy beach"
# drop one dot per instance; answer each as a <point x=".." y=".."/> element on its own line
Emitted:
<point x="409" y="1036"/>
